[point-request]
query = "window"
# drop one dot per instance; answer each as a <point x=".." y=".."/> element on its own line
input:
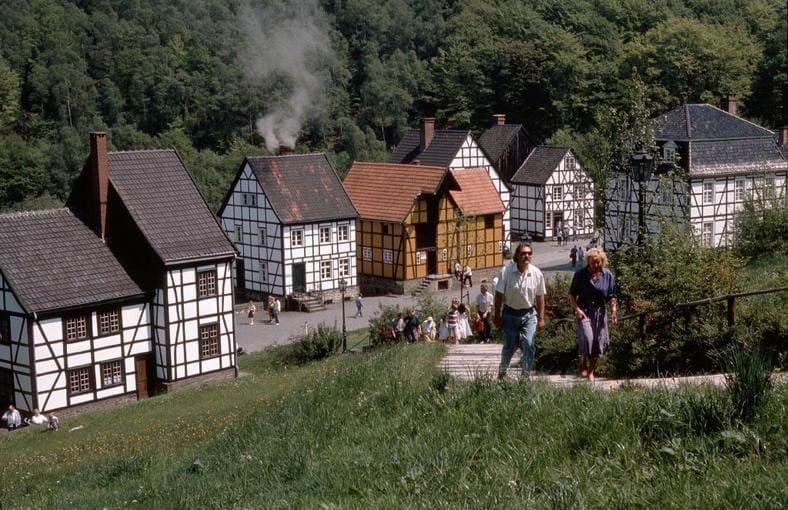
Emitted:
<point x="206" y="283"/>
<point x="570" y="162"/>
<point x="111" y="373"/>
<point x="385" y="229"/>
<point x="420" y="256"/>
<point x="388" y="257"/>
<point x="76" y="328"/>
<point x="558" y="193"/>
<point x="209" y="340"/>
<point x="580" y="190"/>
<point x="263" y="272"/>
<point x="296" y="238"/>
<point x="707" y="236"/>
<point x="738" y="190"/>
<point x="580" y="219"/>
<point x="489" y="221"/>
<point x="469" y="250"/>
<point x="500" y="246"/>
<point x="5" y="328"/>
<point x="325" y="234"/>
<point x="79" y="380"/>
<point x="343" y="233"/>
<point x="239" y="233"/>
<point x="768" y="186"/>
<point x="325" y="269"/>
<point x="344" y="267"/>
<point x="708" y="192"/>
<point x="445" y="254"/>
<point x="366" y="253"/>
<point x="250" y="199"/>
<point x="108" y="322"/>
<point x="262" y="235"/>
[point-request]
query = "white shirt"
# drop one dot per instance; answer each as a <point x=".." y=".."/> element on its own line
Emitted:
<point x="521" y="289"/>
<point x="484" y="302"/>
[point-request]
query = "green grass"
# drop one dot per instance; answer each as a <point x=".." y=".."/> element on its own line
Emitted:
<point x="381" y="430"/>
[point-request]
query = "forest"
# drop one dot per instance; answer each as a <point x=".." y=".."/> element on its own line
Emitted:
<point x="221" y="79"/>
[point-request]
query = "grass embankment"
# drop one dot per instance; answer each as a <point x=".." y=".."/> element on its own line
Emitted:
<point x="376" y="431"/>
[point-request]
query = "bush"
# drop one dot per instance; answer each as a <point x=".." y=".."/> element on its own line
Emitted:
<point x="762" y="226"/>
<point x="319" y="344"/>
<point x="380" y="324"/>
<point x="749" y="382"/>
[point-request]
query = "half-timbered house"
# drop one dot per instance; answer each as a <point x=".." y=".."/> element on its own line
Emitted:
<point x="453" y="149"/>
<point x="708" y="161"/>
<point x="507" y="146"/>
<point x="417" y="220"/>
<point x="550" y="191"/>
<point x="293" y="225"/>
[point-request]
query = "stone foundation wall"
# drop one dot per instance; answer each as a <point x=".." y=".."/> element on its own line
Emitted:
<point x="219" y="375"/>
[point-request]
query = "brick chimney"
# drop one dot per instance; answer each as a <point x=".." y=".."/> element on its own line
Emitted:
<point x="499" y="119"/>
<point x="284" y="150"/>
<point x="99" y="177"/>
<point x="426" y="131"/>
<point x="782" y="136"/>
<point x="728" y="104"/>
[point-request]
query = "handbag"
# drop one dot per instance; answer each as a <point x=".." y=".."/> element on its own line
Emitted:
<point x="479" y="325"/>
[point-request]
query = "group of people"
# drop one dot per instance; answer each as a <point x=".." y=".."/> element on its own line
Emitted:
<point x="274" y="308"/>
<point x="564" y="234"/>
<point x="13" y="419"/>
<point x="576" y="254"/>
<point x="464" y="276"/>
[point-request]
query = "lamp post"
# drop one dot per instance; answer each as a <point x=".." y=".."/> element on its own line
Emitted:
<point x="342" y="289"/>
<point x="642" y="162"/>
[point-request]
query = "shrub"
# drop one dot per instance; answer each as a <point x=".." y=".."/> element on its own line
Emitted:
<point x="762" y="226"/>
<point x="749" y="382"/>
<point x="320" y="343"/>
<point x="380" y="324"/>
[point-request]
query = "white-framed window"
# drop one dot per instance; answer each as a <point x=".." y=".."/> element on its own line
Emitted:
<point x="343" y="267"/>
<point x="325" y="269"/>
<point x="570" y="162"/>
<point x="669" y="152"/>
<point x="769" y="186"/>
<point x="580" y="218"/>
<point x="297" y="237"/>
<point x="209" y="341"/>
<point x="738" y="190"/>
<point x="108" y="321"/>
<point x="111" y="373"/>
<point x="263" y="272"/>
<point x="707" y="235"/>
<point x="366" y="253"/>
<point x="420" y="256"/>
<point x="343" y="233"/>
<point x="580" y="190"/>
<point x="388" y="257"/>
<point x="250" y="199"/>
<point x="262" y="235"/>
<point x="500" y="246"/>
<point x="325" y="235"/>
<point x="558" y="193"/>
<point x="469" y="250"/>
<point x="708" y="192"/>
<point x="239" y="233"/>
<point x="445" y="254"/>
<point x="206" y="283"/>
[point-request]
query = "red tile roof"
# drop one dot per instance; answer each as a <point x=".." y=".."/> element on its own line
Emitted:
<point x="386" y="191"/>
<point x="477" y="194"/>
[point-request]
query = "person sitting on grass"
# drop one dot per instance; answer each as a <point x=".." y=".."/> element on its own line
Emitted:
<point x="37" y="418"/>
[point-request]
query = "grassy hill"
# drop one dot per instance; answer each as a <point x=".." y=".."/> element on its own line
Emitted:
<point x="387" y="430"/>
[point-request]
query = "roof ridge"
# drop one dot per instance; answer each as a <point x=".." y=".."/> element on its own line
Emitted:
<point x="35" y="212"/>
<point x="287" y="155"/>
<point x="741" y="118"/>
<point x="142" y="150"/>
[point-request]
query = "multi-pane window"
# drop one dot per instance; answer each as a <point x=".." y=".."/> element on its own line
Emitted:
<point x="738" y="190"/>
<point x="344" y="267"/>
<point x="296" y="238"/>
<point x="708" y="192"/>
<point x="500" y="246"/>
<point x="388" y="257"/>
<point x="263" y="272"/>
<point x="5" y="328"/>
<point x="108" y="322"/>
<point x="79" y="380"/>
<point x="343" y="233"/>
<point x="707" y="236"/>
<point x="580" y="218"/>
<point x="469" y="250"/>
<point x="239" y="233"/>
<point x="325" y="269"/>
<point x="325" y="234"/>
<point x="489" y="221"/>
<point x="250" y="199"/>
<point x="768" y="186"/>
<point x="111" y="373"/>
<point x="570" y="163"/>
<point x="558" y="193"/>
<point x="209" y="340"/>
<point x="580" y="190"/>
<point x="420" y="257"/>
<point x="366" y="253"/>
<point x="76" y="327"/>
<point x="262" y="233"/>
<point x="445" y="254"/>
<point x="206" y="283"/>
<point x="385" y="229"/>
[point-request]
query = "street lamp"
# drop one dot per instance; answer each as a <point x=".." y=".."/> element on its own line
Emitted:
<point x="342" y="289"/>
<point x="642" y="162"/>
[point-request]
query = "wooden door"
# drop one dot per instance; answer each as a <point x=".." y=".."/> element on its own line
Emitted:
<point x="142" y="365"/>
<point x="240" y="276"/>
<point x="299" y="277"/>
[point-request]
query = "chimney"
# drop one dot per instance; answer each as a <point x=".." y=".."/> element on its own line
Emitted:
<point x="284" y="150"/>
<point x="499" y="119"/>
<point x="427" y="130"/>
<point x="782" y="136"/>
<point x="728" y="104"/>
<point x="99" y="170"/>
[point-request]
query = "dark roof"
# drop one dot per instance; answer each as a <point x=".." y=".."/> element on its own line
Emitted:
<point x="386" y="191"/>
<point x="53" y="261"/>
<point x="539" y="165"/>
<point x="704" y="122"/>
<point x="743" y="156"/>
<point x="445" y="145"/>
<point x="497" y="138"/>
<point x="302" y="188"/>
<point x="477" y="194"/>
<point x="166" y="205"/>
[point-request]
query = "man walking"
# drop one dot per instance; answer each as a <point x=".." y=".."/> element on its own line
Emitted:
<point x="484" y="304"/>
<point x="519" y="308"/>
<point x="359" y="306"/>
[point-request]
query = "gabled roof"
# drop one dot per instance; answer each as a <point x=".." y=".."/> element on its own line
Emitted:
<point x="743" y="156"/>
<point x="497" y="138"/>
<point x="704" y="122"/>
<point x="302" y="188"/>
<point x="540" y="165"/>
<point x="445" y="145"/>
<point x="53" y="261"/>
<point x="477" y="194"/>
<point x="166" y="205"/>
<point x="386" y="191"/>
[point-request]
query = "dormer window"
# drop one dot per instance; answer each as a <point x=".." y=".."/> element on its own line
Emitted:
<point x="669" y="152"/>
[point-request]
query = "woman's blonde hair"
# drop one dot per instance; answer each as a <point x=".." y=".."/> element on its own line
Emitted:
<point x="597" y="254"/>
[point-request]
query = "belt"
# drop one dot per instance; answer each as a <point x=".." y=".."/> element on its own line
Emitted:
<point x="517" y="311"/>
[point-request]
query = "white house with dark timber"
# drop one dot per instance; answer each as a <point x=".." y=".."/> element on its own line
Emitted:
<point x="708" y="162"/>
<point x="124" y="292"/>
<point x="452" y="149"/>
<point x="550" y="191"/>
<point x="293" y="226"/>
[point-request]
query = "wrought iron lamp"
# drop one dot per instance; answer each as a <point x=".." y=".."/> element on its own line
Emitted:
<point x="342" y="289"/>
<point x="642" y="163"/>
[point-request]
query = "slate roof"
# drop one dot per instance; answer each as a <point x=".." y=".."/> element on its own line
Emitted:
<point x="302" y="188"/>
<point x="477" y="194"/>
<point x="539" y="165"/>
<point x="692" y="122"/>
<point x="386" y="191"/>
<point x="166" y="205"/>
<point x="497" y="138"/>
<point x="53" y="261"/>
<point x="445" y="145"/>
<point x="745" y="156"/>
